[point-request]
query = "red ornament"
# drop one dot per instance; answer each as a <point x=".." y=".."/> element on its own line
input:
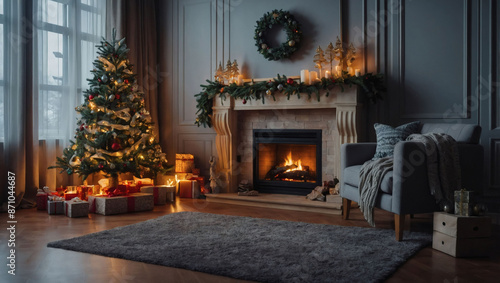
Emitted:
<point x="99" y="80"/>
<point x="244" y="101"/>
<point x="125" y="81"/>
<point x="100" y="166"/>
<point x="116" y="55"/>
<point x="81" y="127"/>
<point x="117" y="96"/>
<point x="289" y="81"/>
<point x="115" y="146"/>
<point x="91" y="97"/>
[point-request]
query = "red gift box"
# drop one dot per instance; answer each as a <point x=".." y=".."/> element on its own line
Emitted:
<point x="83" y="192"/>
<point x="41" y="201"/>
<point x="70" y="196"/>
<point x="42" y="198"/>
<point x="189" y="189"/>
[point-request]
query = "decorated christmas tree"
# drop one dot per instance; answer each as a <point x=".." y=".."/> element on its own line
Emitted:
<point x="114" y="132"/>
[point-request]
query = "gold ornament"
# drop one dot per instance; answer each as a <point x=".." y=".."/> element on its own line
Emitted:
<point x="275" y="15"/>
<point x="263" y="46"/>
<point x="268" y="92"/>
<point x="291" y="43"/>
<point x="131" y="141"/>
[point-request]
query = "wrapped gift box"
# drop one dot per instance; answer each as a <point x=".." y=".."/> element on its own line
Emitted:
<point x="76" y="208"/>
<point x="121" y="204"/>
<point x="464" y="202"/>
<point x="189" y="189"/>
<point x="464" y="196"/>
<point x="42" y="196"/>
<point x="41" y="201"/>
<point x="55" y="207"/>
<point x="70" y="196"/>
<point x="83" y="192"/>
<point x="201" y="182"/>
<point x="184" y="163"/>
<point x="171" y="192"/>
<point x="159" y="193"/>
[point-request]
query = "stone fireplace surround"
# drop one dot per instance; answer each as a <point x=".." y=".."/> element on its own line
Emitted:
<point x="337" y="115"/>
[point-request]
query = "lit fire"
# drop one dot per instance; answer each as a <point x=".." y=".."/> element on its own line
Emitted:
<point x="289" y="161"/>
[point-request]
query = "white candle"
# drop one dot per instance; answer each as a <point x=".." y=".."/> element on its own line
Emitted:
<point x="357" y="73"/>
<point x="313" y="76"/>
<point x="304" y="76"/>
<point x="338" y="71"/>
<point x="327" y="75"/>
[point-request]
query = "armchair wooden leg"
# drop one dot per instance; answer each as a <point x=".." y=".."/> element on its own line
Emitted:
<point x="346" y="208"/>
<point x="399" y="221"/>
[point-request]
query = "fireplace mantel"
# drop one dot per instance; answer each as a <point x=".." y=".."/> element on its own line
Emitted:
<point x="225" y="121"/>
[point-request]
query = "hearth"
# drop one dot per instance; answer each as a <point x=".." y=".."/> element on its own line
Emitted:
<point x="287" y="161"/>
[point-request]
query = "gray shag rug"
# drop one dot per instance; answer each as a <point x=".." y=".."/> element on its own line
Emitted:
<point x="256" y="249"/>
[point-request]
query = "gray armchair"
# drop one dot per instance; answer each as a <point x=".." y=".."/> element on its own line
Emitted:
<point x="405" y="189"/>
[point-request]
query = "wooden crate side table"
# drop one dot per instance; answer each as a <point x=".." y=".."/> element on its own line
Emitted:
<point x="461" y="236"/>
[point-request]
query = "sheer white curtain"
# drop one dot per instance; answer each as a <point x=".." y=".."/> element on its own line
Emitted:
<point x="58" y="38"/>
<point x="64" y="49"/>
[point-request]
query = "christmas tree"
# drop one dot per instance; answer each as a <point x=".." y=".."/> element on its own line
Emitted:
<point x="114" y="132"/>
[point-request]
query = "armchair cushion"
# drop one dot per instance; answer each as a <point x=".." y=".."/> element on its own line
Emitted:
<point x="388" y="137"/>
<point x="351" y="176"/>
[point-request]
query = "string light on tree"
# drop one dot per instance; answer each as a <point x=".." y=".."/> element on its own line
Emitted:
<point x="114" y="133"/>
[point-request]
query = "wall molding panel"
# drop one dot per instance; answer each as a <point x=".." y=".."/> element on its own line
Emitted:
<point x="441" y="59"/>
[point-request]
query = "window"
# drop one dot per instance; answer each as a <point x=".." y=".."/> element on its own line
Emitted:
<point x="67" y="32"/>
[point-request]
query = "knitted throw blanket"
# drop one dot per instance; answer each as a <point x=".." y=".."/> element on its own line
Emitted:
<point x="443" y="165"/>
<point x="371" y="175"/>
<point x="443" y="168"/>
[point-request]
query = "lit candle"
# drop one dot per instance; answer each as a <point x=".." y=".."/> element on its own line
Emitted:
<point x="304" y="76"/>
<point x="313" y="76"/>
<point x="327" y="75"/>
<point x="357" y="72"/>
<point x="338" y="71"/>
<point x="349" y="70"/>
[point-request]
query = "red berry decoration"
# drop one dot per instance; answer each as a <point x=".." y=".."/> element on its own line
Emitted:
<point x="125" y="81"/>
<point x="117" y="96"/>
<point x="244" y="101"/>
<point x="100" y="166"/>
<point x="289" y="81"/>
<point x="99" y="80"/>
<point x="115" y="146"/>
<point x="116" y="55"/>
<point x="81" y="127"/>
<point x="124" y="165"/>
<point x="91" y="97"/>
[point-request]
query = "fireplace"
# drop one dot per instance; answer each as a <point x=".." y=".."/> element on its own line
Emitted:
<point x="287" y="161"/>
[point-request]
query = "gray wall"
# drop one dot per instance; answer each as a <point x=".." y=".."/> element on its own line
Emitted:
<point x="441" y="59"/>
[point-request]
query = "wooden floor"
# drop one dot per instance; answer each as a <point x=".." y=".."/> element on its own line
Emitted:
<point x="37" y="263"/>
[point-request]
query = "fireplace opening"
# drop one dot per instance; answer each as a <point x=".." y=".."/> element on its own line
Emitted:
<point x="287" y="161"/>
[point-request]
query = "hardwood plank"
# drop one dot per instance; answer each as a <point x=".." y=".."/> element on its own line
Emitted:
<point x="37" y="263"/>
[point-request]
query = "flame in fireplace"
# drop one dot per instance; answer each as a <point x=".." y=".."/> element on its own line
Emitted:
<point x="289" y="161"/>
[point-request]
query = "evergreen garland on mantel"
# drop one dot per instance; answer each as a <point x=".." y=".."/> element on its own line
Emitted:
<point x="372" y="85"/>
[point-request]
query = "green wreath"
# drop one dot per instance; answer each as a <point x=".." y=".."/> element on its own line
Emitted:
<point x="293" y="35"/>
